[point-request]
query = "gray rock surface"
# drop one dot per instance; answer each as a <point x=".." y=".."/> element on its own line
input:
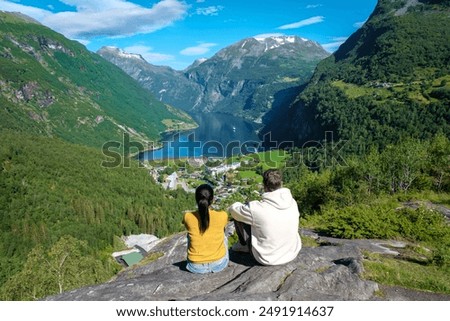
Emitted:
<point x="321" y="273"/>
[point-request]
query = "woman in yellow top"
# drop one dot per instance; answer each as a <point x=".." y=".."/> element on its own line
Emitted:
<point x="207" y="244"/>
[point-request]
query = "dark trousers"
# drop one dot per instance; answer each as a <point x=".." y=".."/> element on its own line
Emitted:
<point x="244" y="233"/>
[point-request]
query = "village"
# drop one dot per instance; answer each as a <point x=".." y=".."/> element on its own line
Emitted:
<point x="233" y="179"/>
<point x="227" y="176"/>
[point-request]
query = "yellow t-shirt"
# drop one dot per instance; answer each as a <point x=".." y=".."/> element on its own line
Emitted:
<point x="209" y="246"/>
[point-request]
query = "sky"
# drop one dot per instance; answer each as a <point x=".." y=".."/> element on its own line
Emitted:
<point x="175" y="33"/>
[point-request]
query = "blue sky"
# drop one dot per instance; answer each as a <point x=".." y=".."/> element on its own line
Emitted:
<point x="175" y="33"/>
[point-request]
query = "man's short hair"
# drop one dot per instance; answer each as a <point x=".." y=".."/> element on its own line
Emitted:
<point x="272" y="180"/>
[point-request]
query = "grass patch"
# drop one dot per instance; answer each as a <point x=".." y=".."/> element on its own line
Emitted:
<point x="431" y="196"/>
<point x="194" y="183"/>
<point x="308" y="241"/>
<point x="232" y="239"/>
<point x="250" y="175"/>
<point x="354" y="91"/>
<point x="273" y="159"/>
<point x="322" y="269"/>
<point x="177" y="125"/>
<point x="270" y="159"/>
<point x="151" y="257"/>
<point x="391" y="271"/>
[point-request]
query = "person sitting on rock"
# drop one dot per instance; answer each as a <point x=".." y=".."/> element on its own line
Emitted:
<point x="268" y="229"/>
<point x="207" y="249"/>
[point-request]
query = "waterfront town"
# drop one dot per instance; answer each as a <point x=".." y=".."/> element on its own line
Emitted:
<point x="227" y="176"/>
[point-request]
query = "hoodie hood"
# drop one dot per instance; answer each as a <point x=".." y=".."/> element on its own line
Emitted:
<point x="280" y="199"/>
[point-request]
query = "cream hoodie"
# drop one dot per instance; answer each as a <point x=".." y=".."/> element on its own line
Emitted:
<point x="275" y="224"/>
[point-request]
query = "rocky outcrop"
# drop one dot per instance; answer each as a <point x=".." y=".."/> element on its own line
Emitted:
<point x="249" y="78"/>
<point x="327" y="272"/>
<point x="166" y="84"/>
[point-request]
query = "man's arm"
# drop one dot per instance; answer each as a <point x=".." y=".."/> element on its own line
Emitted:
<point x="241" y="212"/>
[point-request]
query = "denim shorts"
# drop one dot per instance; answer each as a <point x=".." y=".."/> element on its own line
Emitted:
<point x="211" y="267"/>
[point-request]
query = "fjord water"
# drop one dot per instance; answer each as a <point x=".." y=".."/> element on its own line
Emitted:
<point x="218" y="135"/>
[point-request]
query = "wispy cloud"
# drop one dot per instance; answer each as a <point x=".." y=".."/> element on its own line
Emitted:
<point x="302" y="23"/>
<point x="198" y="50"/>
<point x="113" y="18"/>
<point x="334" y="44"/>
<point x="147" y="53"/>
<point x="209" y="11"/>
<point x="359" y="24"/>
<point x="268" y="35"/>
<point x="312" y="6"/>
<point x="36" y="13"/>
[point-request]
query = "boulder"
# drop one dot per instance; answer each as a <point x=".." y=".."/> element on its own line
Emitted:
<point x="330" y="272"/>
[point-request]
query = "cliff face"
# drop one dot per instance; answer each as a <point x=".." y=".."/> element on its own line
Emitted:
<point x="321" y="273"/>
<point x="330" y="272"/>
<point x="248" y="78"/>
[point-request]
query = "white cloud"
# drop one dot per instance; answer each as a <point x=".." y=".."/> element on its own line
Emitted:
<point x="147" y="53"/>
<point x="113" y="18"/>
<point x="312" y="6"/>
<point x="302" y="23"/>
<point x="339" y="38"/>
<point x="200" y="1"/>
<point x="359" y="24"/>
<point x="268" y="35"/>
<point x="83" y="41"/>
<point x="334" y="45"/>
<point x="33" y="12"/>
<point x="198" y="50"/>
<point x="209" y="11"/>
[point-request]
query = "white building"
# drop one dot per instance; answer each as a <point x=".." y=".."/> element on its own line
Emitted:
<point x="223" y="168"/>
<point x="172" y="181"/>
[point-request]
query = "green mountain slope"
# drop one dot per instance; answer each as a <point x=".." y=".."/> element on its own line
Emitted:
<point x="58" y="104"/>
<point x="53" y="86"/>
<point x="51" y="189"/>
<point x="167" y="84"/>
<point x="389" y="80"/>
<point x="250" y="78"/>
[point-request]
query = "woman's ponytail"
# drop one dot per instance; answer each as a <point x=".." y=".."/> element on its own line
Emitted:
<point x="204" y="196"/>
<point x="204" y="215"/>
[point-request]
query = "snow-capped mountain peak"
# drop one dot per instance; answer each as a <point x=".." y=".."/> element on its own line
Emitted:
<point x="123" y="54"/>
<point x="281" y="40"/>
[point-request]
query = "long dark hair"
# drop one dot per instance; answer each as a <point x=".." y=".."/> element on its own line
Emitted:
<point x="204" y="196"/>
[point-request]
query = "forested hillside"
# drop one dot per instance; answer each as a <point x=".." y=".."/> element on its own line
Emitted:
<point x="52" y="86"/>
<point x="400" y="193"/>
<point x="51" y="190"/>
<point x="57" y="200"/>
<point x="389" y="80"/>
<point x="374" y="124"/>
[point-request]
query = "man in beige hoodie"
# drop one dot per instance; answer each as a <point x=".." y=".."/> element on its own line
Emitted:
<point x="268" y="229"/>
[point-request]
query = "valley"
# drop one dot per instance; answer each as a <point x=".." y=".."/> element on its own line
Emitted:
<point x="258" y="103"/>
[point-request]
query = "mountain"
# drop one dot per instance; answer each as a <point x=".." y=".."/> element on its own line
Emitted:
<point x="166" y="84"/>
<point x="248" y="78"/>
<point x="59" y="104"/>
<point x="55" y="87"/>
<point x="389" y="80"/>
